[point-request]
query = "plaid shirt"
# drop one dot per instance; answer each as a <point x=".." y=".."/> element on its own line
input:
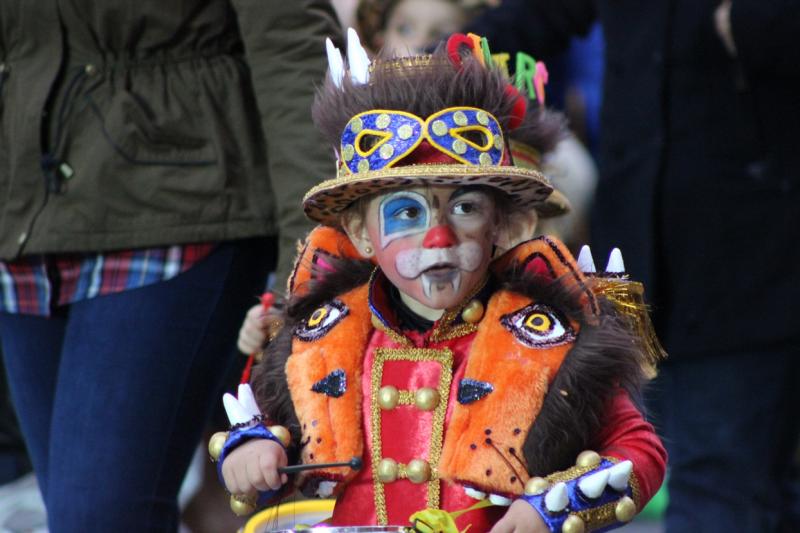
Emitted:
<point x="36" y="284"/>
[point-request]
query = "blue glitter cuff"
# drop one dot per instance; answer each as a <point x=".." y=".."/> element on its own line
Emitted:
<point x="579" y="503"/>
<point x="239" y="436"/>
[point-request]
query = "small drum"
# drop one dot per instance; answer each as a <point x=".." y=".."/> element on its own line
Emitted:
<point x="349" y="529"/>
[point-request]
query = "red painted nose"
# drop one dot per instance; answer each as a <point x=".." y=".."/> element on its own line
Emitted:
<point x="439" y="237"/>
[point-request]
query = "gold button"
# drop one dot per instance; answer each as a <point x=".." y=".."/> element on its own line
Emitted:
<point x="282" y="434"/>
<point x="573" y="524"/>
<point x="215" y="444"/>
<point x="588" y="459"/>
<point x="473" y="312"/>
<point x="241" y="506"/>
<point x="418" y="471"/>
<point x="426" y="398"/>
<point x="388" y="397"/>
<point x="536" y="486"/>
<point x="387" y="470"/>
<point x="625" y="509"/>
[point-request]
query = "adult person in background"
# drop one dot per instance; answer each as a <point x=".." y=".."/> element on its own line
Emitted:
<point x="152" y="152"/>
<point x="700" y="182"/>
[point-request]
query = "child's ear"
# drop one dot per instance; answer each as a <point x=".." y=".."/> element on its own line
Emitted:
<point x="356" y="230"/>
<point x="514" y="228"/>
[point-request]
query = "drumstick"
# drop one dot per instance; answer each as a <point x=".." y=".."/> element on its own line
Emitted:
<point x="355" y="463"/>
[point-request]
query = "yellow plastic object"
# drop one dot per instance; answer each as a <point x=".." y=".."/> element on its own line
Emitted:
<point x="290" y="514"/>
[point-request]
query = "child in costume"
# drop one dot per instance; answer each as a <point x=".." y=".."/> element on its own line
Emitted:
<point x="472" y="371"/>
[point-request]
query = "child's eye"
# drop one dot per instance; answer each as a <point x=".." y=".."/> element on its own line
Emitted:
<point x="407" y="213"/>
<point x="464" y="208"/>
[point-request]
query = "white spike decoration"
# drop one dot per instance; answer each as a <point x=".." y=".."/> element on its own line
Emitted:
<point x="357" y="58"/>
<point x="615" y="263"/>
<point x="247" y="400"/>
<point x="556" y="499"/>
<point x="619" y="474"/>
<point x="586" y="261"/>
<point x="335" y="63"/>
<point x="243" y="409"/>
<point x="325" y="488"/>
<point x="474" y="493"/>
<point x="592" y="486"/>
<point x="496" y="499"/>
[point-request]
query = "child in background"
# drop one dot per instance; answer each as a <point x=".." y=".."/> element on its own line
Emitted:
<point x="469" y="368"/>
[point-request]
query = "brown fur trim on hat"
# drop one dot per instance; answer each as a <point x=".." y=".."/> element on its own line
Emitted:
<point x="423" y="87"/>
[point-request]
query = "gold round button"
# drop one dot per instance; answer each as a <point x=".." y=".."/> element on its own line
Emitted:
<point x="426" y="398"/>
<point x="215" y="444"/>
<point x="573" y="524"/>
<point x="418" y="471"/>
<point x="536" y="486"/>
<point x="241" y="506"/>
<point x="588" y="459"/>
<point x="388" y="396"/>
<point x="473" y="312"/>
<point x="625" y="509"/>
<point x="282" y="434"/>
<point x="387" y="470"/>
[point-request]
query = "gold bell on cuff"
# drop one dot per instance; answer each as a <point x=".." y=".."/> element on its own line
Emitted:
<point x="282" y="434"/>
<point x="588" y="459"/>
<point x="215" y="444"/>
<point x="625" y="509"/>
<point x="573" y="524"/>
<point x="241" y="506"/>
<point x="536" y="486"/>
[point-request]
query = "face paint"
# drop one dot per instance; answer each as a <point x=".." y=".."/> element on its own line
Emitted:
<point x="403" y="213"/>
<point x="438" y="277"/>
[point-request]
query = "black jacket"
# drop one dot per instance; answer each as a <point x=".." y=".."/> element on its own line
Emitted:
<point x="131" y="124"/>
<point x="699" y="157"/>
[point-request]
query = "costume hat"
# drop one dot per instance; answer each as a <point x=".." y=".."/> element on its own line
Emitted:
<point x="447" y="118"/>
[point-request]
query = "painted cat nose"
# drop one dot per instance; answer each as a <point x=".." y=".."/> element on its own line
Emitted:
<point x="439" y="237"/>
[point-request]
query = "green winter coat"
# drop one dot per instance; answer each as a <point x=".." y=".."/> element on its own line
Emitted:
<point x="135" y="124"/>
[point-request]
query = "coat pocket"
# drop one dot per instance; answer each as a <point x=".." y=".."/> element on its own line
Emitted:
<point x="148" y="130"/>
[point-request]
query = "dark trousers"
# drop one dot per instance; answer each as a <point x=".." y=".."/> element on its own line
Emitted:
<point x="730" y="424"/>
<point x="112" y="396"/>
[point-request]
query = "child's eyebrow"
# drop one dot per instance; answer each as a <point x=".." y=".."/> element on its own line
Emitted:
<point x="465" y="190"/>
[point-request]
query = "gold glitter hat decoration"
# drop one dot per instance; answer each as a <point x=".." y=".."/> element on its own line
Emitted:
<point x="440" y="119"/>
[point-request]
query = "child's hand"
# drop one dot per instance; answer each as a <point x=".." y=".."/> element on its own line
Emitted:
<point x="253" y="333"/>
<point x="521" y="518"/>
<point x="253" y="466"/>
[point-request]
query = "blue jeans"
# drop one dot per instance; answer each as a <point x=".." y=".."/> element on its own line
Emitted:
<point x="113" y="393"/>
<point x="730" y="424"/>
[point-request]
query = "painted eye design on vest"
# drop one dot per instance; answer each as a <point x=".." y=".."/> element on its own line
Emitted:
<point x="321" y="321"/>
<point x="539" y="326"/>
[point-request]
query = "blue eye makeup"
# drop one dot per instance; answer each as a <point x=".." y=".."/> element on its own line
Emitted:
<point x="403" y="213"/>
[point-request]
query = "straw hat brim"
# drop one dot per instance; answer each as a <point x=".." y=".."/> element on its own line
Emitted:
<point x="526" y="188"/>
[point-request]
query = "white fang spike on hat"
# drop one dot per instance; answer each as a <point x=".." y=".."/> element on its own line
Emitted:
<point x="615" y="263"/>
<point x="586" y="261"/>
<point x="357" y="58"/>
<point x="335" y="63"/>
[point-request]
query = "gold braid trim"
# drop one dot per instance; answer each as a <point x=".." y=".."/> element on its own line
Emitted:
<point x="382" y="355"/>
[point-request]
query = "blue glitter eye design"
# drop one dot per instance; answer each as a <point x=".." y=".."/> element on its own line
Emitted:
<point x="403" y="213"/>
<point x="539" y="326"/>
<point x="321" y="321"/>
